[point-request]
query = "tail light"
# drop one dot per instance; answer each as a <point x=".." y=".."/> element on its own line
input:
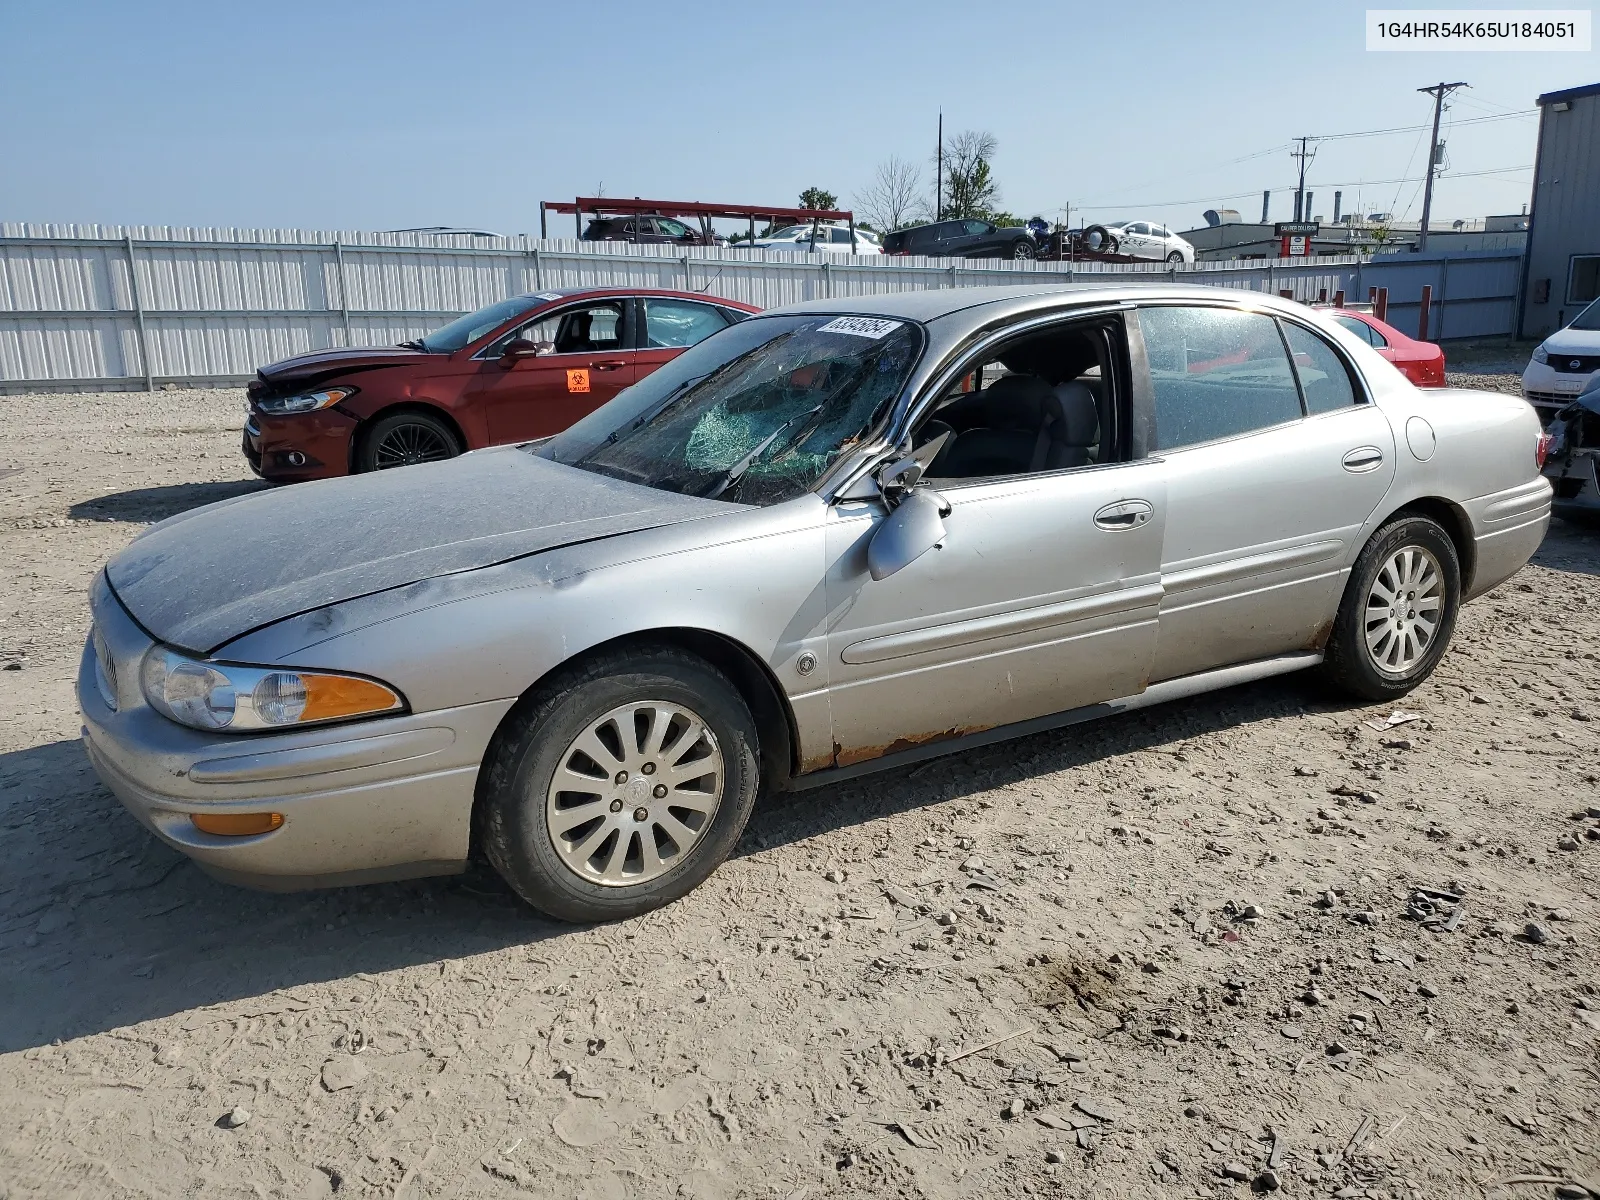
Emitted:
<point x="1541" y="452"/>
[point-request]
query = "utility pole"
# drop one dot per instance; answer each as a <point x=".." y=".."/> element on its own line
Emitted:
<point x="1305" y="156"/>
<point x="1439" y="91"/>
<point x="938" y="173"/>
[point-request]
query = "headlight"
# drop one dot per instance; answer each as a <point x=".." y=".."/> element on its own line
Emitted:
<point x="309" y="402"/>
<point x="209" y="696"/>
<point x="1541" y="355"/>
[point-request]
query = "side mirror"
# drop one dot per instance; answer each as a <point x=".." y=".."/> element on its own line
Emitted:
<point x="515" y="350"/>
<point x="914" y="527"/>
<point x="899" y="477"/>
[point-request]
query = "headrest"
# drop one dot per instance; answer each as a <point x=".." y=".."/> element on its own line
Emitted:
<point x="1074" y="418"/>
<point x="1016" y="402"/>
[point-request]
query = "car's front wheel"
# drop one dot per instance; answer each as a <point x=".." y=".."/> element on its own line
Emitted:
<point x="405" y="438"/>
<point x="1175" y="257"/>
<point x="1023" y="251"/>
<point x="620" y="787"/>
<point x="1398" y="612"/>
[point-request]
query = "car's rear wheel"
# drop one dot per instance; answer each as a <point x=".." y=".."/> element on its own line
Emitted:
<point x="1023" y="251"/>
<point x="1175" y="257"/>
<point x="1398" y="612"/>
<point x="620" y="787"/>
<point x="404" y="439"/>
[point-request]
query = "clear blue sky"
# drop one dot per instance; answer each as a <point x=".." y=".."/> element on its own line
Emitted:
<point x="364" y="115"/>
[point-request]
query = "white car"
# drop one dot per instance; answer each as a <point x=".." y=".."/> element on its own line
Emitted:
<point x="1563" y="364"/>
<point x="1146" y="239"/>
<point x="831" y="239"/>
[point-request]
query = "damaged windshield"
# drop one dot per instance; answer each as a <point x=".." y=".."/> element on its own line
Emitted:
<point x="754" y="414"/>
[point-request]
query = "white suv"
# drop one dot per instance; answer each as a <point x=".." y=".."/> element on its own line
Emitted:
<point x="1563" y="364"/>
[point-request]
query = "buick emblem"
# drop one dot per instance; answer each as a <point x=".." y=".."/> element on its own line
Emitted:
<point x="1575" y="364"/>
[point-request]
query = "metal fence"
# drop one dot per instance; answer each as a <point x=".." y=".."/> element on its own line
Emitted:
<point x="102" y="307"/>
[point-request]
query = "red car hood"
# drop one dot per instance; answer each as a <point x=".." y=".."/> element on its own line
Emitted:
<point x="325" y="363"/>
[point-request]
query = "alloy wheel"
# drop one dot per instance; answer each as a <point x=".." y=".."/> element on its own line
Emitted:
<point x="1404" y="607"/>
<point x="406" y="445"/>
<point x="634" y="792"/>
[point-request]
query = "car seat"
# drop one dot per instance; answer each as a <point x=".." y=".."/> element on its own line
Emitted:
<point x="1073" y="432"/>
<point x="1013" y="434"/>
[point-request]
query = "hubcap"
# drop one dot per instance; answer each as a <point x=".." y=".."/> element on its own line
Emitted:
<point x="634" y="792"/>
<point x="406" y="445"/>
<point x="1403" y="610"/>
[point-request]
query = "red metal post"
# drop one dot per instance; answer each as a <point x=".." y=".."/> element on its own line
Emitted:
<point x="1286" y="293"/>
<point x="1422" y="318"/>
<point x="1322" y="295"/>
<point x="1338" y="298"/>
<point x="1380" y="307"/>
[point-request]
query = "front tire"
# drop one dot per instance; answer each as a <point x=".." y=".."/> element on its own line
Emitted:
<point x="1175" y="258"/>
<point x="1398" y="612"/>
<point x="621" y="787"/>
<point x="406" y="438"/>
<point x="1023" y="251"/>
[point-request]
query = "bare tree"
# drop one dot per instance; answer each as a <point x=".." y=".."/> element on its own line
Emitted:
<point x="969" y="188"/>
<point x="893" y="199"/>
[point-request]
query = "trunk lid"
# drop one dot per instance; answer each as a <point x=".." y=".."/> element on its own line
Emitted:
<point x="205" y="577"/>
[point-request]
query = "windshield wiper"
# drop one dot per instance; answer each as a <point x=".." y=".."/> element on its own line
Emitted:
<point x="732" y="475"/>
<point x="413" y="344"/>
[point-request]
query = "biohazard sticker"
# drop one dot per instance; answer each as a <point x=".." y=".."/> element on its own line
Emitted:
<point x="578" y="380"/>
<point x="867" y="327"/>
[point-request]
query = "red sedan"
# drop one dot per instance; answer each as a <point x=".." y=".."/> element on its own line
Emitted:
<point x="1420" y="362"/>
<point x="521" y="369"/>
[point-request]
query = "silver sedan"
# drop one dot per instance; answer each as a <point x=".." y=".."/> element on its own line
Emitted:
<point x="836" y="537"/>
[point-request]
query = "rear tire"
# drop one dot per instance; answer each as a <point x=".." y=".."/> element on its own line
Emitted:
<point x="1398" y="612"/>
<point x="589" y="807"/>
<point x="406" y="438"/>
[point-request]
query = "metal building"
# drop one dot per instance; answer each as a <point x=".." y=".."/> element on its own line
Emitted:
<point x="1562" y="271"/>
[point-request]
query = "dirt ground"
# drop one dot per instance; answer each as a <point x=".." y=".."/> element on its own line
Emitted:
<point x="1199" y="950"/>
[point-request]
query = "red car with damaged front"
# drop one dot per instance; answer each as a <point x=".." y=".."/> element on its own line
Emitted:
<point x="521" y="369"/>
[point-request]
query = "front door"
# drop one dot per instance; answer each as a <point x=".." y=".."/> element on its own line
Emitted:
<point x="1042" y="598"/>
<point x="1274" y="465"/>
<point x="585" y="359"/>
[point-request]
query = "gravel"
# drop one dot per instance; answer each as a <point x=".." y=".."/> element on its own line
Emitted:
<point x="774" y="1033"/>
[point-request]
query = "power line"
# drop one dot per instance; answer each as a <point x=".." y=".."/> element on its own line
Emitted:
<point x="1347" y="184"/>
<point x="1337" y="137"/>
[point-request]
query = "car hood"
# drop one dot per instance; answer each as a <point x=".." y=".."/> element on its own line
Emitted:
<point x="321" y="363"/>
<point x="203" y="578"/>
<point x="1571" y="342"/>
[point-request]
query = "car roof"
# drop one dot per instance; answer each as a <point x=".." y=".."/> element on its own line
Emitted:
<point x="936" y="303"/>
<point x="550" y="295"/>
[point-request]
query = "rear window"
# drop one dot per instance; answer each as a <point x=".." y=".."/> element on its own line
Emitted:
<point x="1216" y="373"/>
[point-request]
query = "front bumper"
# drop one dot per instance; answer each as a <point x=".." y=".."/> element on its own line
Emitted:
<point x="363" y="802"/>
<point x="1577" y="489"/>
<point x="288" y="449"/>
<point x="1549" y="390"/>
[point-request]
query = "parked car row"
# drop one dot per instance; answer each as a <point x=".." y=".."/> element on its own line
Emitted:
<point x="527" y="368"/>
<point x="828" y="538"/>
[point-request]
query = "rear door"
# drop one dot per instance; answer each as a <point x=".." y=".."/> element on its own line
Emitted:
<point x="670" y="326"/>
<point x="1275" y="460"/>
<point x="586" y="358"/>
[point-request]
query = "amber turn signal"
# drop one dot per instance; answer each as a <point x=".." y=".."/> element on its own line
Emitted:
<point x="236" y="824"/>
<point x="330" y="696"/>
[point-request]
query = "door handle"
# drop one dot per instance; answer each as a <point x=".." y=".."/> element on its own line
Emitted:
<point x="1363" y="458"/>
<point x="608" y="364"/>
<point x="1124" y="514"/>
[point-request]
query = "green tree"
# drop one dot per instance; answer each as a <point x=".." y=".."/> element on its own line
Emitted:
<point x="814" y="197"/>
<point x="970" y="189"/>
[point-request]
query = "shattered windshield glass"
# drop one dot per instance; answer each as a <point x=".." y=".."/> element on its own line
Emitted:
<point x="754" y="414"/>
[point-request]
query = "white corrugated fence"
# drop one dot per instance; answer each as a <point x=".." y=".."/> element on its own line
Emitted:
<point x="97" y="306"/>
